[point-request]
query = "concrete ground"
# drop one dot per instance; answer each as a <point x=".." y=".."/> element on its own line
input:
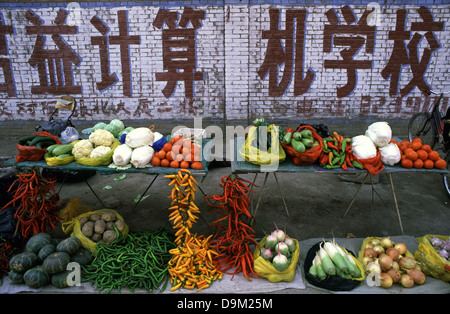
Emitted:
<point x="316" y="202"/>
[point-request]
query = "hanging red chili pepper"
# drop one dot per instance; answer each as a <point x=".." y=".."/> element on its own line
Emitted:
<point x="36" y="201"/>
<point x="234" y="235"/>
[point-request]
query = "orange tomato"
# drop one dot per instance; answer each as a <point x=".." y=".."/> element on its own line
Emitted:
<point x="184" y="164"/>
<point x="165" y="163"/>
<point x="176" y="148"/>
<point x="170" y="155"/>
<point x="174" y="164"/>
<point x="426" y="148"/>
<point x="440" y="164"/>
<point x="416" y="144"/>
<point x="428" y="164"/>
<point x="197" y="165"/>
<point x="160" y="154"/>
<point x="412" y="155"/>
<point x="422" y="154"/>
<point x="433" y="155"/>
<point x="407" y="163"/>
<point x="418" y="163"/>
<point x="156" y="161"/>
<point x="167" y="147"/>
<point x="175" y="139"/>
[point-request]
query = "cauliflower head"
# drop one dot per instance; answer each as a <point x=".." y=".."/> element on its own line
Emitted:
<point x="82" y="149"/>
<point x="100" y="151"/>
<point x="101" y="137"/>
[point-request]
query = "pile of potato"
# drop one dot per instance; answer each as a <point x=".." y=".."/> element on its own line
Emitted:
<point x="100" y="227"/>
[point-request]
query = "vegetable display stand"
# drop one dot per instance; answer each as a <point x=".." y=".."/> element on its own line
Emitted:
<point x="106" y="170"/>
<point x="241" y="166"/>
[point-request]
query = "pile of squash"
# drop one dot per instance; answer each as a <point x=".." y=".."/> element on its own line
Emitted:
<point x="45" y="259"/>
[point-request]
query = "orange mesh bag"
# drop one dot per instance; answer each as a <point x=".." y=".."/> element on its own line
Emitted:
<point x="32" y="153"/>
<point x="373" y="164"/>
<point x="310" y="155"/>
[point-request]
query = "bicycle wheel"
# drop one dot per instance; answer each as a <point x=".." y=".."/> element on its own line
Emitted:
<point x="421" y="126"/>
<point x="446" y="178"/>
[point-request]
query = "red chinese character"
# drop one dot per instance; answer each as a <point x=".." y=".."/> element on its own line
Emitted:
<point x="123" y="40"/>
<point x="354" y="42"/>
<point x="59" y="78"/>
<point x="5" y="63"/>
<point x="404" y="54"/>
<point x="179" y="54"/>
<point x="291" y="55"/>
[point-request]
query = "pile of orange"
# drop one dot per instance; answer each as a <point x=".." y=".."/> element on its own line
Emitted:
<point x="178" y="153"/>
<point x="418" y="155"/>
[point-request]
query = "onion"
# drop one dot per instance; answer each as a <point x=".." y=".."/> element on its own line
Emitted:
<point x="370" y="253"/>
<point x="407" y="262"/>
<point x="396" y="266"/>
<point x="378" y="249"/>
<point x="416" y="275"/>
<point x="401" y="248"/>
<point x="367" y="260"/>
<point x="395" y="275"/>
<point x="386" y="243"/>
<point x="393" y="253"/>
<point x="373" y="267"/>
<point x="406" y="281"/>
<point x="385" y="262"/>
<point x="282" y="248"/>
<point x="386" y="281"/>
<point x="375" y="241"/>
<point x="279" y="234"/>
<point x="290" y="243"/>
<point x="369" y="246"/>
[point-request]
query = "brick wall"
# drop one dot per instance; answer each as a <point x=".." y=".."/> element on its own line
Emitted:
<point x="242" y="59"/>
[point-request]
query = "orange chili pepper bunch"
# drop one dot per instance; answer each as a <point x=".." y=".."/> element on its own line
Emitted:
<point x="192" y="263"/>
<point x="37" y="203"/>
<point x="234" y="236"/>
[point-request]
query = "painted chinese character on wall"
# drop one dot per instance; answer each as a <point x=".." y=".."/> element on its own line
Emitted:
<point x="179" y="52"/>
<point x="360" y="34"/>
<point x="287" y="58"/>
<point x="54" y="65"/>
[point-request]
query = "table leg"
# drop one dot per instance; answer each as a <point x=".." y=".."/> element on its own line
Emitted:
<point x="148" y="187"/>
<point x="356" y="194"/>
<point x="281" y="193"/>
<point x="87" y="183"/>
<point x="395" y="200"/>
<point x="261" y="193"/>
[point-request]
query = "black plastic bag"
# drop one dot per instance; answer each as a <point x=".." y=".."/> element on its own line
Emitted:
<point x="333" y="283"/>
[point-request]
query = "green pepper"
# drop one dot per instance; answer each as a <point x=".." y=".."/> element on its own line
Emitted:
<point x="357" y="165"/>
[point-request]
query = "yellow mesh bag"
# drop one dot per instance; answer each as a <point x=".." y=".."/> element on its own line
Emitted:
<point x="274" y="154"/>
<point x="74" y="229"/>
<point x="56" y="161"/>
<point x="431" y="263"/>
<point x="73" y="208"/>
<point x="265" y="268"/>
<point x="102" y="161"/>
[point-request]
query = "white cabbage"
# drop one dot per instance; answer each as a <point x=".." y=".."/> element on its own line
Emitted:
<point x="380" y="133"/>
<point x="139" y="137"/>
<point x="141" y="156"/>
<point x="363" y="147"/>
<point x="390" y="154"/>
<point x="122" y="155"/>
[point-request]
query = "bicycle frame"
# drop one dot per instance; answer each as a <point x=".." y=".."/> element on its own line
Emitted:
<point x="436" y="117"/>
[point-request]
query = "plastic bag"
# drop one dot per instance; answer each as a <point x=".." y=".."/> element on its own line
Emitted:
<point x="431" y="263"/>
<point x="73" y="228"/>
<point x="102" y="161"/>
<point x="274" y="154"/>
<point x="309" y="156"/>
<point x="334" y="283"/>
<point x="69" y="135"/>
<point x="266" y="269"/>
<point x="74" y="208"/>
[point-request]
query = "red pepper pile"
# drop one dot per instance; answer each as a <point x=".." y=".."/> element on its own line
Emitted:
<point x="7" y="250"/>
<point x="36" y="202"/>
<point x="234" y="235"/>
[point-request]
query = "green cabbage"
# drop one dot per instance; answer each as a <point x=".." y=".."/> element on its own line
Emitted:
<point x="98" y="126"/>
<point x="118" y="124"/>
<point x="113" y="129"/>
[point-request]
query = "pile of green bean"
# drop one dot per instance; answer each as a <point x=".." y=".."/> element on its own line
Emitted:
<point x="140" y="260"/>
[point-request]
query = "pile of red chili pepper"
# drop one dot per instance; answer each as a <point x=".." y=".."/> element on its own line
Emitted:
<point x="7" y="250"/>
<point x="234" y="235"/>
<point x="36" y="201"/>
